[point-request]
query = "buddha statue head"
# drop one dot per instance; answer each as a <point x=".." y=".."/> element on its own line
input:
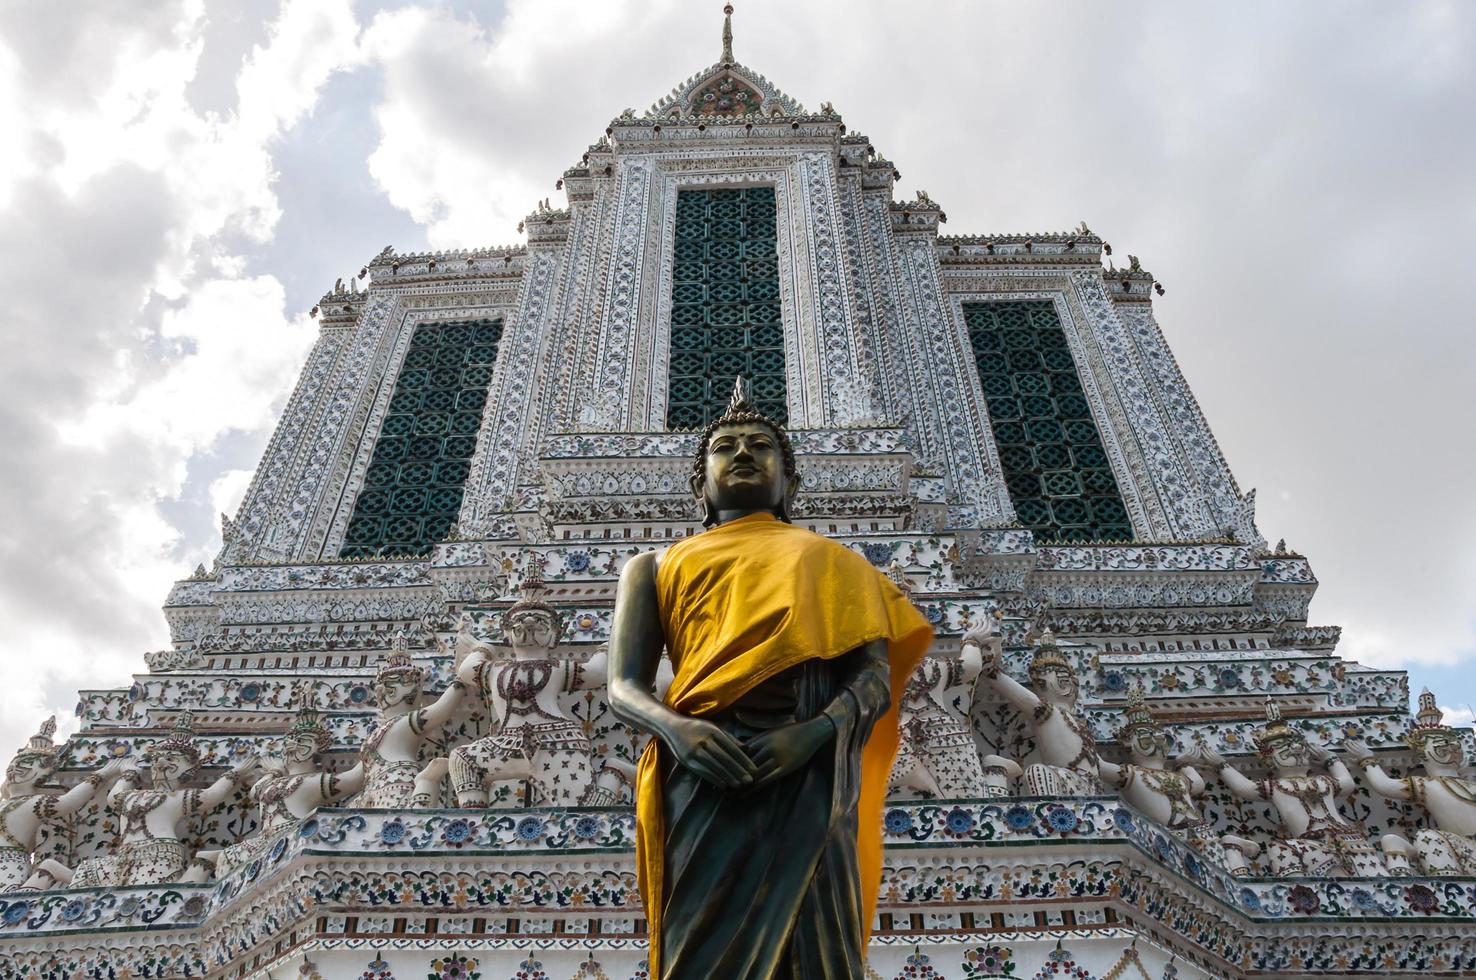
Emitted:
<point x="36" y="761"/>
<point x="1282" y="745"/>
<point x="1437" y="743"/>
<point x="175" y="757"/>
<point x="744" y="463"/>
<point x="398" y="681"/>
<point x="1140" y="734"/>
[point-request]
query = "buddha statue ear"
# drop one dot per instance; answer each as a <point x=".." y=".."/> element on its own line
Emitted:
<point x="786" y="502"/>
<point x="704" y="506"/>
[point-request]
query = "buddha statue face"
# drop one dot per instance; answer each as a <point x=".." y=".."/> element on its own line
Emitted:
<point x="744" y="470"/>
<point x="531" y="632"/>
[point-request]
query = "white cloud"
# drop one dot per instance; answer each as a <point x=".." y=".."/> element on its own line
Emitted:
<point x="229" y="489"/>
<point x="139" y="341"/>
<point x="1462" y="717"/>
<point x="477" y="121"/>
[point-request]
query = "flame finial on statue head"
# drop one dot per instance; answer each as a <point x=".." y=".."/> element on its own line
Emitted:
<point x="741" y="400"/>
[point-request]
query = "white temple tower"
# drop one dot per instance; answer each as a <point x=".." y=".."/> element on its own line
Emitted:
<point x="995" y="417"/>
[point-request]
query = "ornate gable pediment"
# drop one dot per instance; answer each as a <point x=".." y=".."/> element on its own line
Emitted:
<point x="726" y="89"/>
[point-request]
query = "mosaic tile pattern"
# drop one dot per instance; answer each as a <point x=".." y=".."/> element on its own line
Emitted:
<point x="413" y="488"/>
<point x="1058" y="475"/>
<point x="725" y="318"/>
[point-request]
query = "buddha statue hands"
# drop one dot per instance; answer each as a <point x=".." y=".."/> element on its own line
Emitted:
<point x="1448" y="796"/>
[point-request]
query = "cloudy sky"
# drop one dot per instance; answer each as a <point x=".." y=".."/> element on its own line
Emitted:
<point x="180" y="181"/>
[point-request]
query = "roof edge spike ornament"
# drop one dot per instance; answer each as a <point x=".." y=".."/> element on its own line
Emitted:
<point x="728" y="60"/>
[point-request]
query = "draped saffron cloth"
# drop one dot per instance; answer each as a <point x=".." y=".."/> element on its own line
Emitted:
<point x="742" y="603"/>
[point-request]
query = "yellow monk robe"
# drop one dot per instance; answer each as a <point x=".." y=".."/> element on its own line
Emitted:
<point x="744" y="601"/>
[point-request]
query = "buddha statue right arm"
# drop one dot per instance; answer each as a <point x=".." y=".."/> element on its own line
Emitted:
<point x="636" y="642"/>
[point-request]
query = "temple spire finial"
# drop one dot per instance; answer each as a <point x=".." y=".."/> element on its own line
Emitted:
<point x="728" y="34"/>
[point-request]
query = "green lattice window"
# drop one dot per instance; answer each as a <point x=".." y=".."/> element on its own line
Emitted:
<point x="1058" y="475"/>
<point x="412" y="489"/>
<point x="725" y="305"/>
